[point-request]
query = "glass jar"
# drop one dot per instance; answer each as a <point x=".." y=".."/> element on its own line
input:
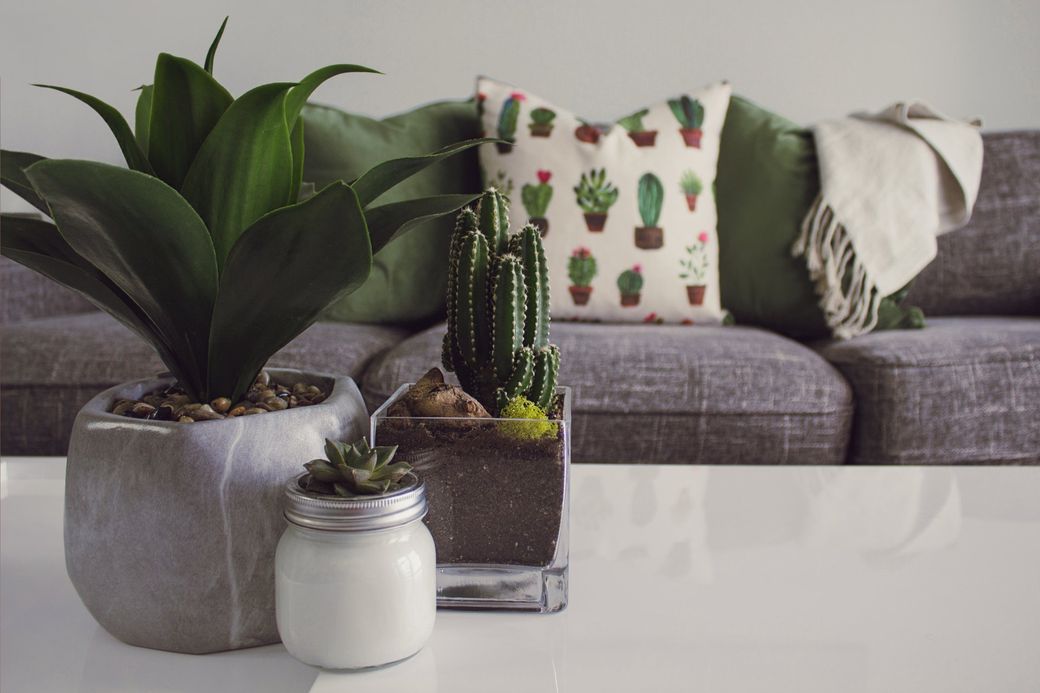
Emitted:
<point x="481" y="475"/>
<point x="355" y="578"/>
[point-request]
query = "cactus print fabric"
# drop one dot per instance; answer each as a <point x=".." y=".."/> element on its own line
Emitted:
<point x="627" y="211"/>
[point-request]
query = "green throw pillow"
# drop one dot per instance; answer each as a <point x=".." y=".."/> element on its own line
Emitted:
<point x="767" y="181"/>
<point x="409" y="276"/>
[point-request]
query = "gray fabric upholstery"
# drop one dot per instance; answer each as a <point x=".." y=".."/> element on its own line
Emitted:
<point x="26" y="295"/>
<point x="672" y="394"/>
<point x="992" y="265"/>
<point x="51" y="367"/>
<point x="959" y="391"/>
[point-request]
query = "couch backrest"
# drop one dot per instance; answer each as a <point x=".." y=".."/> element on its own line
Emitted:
<point x="992" y="265"/>
<point x="26" y="295"/>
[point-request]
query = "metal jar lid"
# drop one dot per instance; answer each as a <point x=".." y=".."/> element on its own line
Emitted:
<point x="358" y="514"/>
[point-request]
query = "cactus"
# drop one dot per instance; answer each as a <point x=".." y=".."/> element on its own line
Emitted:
<point x="651" y="198"/>
<point x="595" y="194"/>
<point x="507" y="120"/>
<point x="541" y="124"/>
<point x="536" y="198"/>
<point x="581" y="267"/>
<point x="630" y="281"/>
<point x="634" y="122"/>
<point x="689" y="112"/>
<point x="354" y="470"/>
<point x="498" y="309"/>
<point x="690" y="183"/>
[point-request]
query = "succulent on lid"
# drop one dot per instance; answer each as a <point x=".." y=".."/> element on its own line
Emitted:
<point x="354" y="470"/>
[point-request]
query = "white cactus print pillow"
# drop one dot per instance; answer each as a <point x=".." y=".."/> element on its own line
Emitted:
<point x="627" y="212"/>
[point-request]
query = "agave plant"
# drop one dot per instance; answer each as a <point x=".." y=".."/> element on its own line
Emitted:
<point x="354" y="470"/>
<point x="209" y="245"/>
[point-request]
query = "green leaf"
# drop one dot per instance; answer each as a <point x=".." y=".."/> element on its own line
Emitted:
<point x="282" y="273"/>
<point x="186" y="105"/>
<point x="294" y="102"/>
<point x="244" y="168"/>
<point x="40" y="247"/>
<point x="333" y="452"/>
<point x="143" y="117"/>
<point x="296" y="142"/>
<point x="299" y="94"/>
<point x="212" y="52"/>
<point x="390" y="221"/>
<point x="381" y="177"/>
<point x="132" y="152"/>
<point x="147" y="240"/>
<point x="322" y="471"/>
<point x="12" y="175"/>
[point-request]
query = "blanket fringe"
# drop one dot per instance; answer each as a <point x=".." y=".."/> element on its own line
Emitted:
<point x="827" y="248"/>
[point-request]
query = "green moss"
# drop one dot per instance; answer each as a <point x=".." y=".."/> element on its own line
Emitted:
<point x="539" y="425"/>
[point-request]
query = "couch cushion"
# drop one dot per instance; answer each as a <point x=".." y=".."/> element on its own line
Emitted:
<point x="51" y="368"/>
<point x="990" y="267"/>
<point x="671" y="394"/>
<point x="960" y="391"/>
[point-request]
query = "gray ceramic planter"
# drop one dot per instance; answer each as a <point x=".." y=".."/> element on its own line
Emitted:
<point x="170" y="529"/>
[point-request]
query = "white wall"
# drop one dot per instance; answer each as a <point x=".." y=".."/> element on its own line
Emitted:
<point x="808" y="59"/>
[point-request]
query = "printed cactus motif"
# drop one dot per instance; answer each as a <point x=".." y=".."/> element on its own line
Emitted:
<point x="690" y="114"/>
<point x="637" y="132"/>
<point x="587" y="132"/>
<point x="501" y="182"/>
<point x="691" y="186"/>
<point x="581" y="269"/>
<point x="507" y="120"/>
<point x="695" y="269"/>
<point x="536" y="199"/>
<point x="541" y="124"/>
<point x="630" y="284"/>
<point x="595" y="195"/>
<point x="651" y="199"/>
<point x="497" y="341"/>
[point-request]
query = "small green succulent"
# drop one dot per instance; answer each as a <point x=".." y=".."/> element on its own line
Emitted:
<point x="354" y="470"/>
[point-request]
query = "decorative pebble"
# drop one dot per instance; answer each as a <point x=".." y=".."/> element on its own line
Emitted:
<point x="173" y="404"/>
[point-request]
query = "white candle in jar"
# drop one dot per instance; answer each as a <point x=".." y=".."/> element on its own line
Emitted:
<point x="355" y="578"/>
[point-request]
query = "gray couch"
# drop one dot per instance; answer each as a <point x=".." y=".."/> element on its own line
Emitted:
<point x="964" y="390"/>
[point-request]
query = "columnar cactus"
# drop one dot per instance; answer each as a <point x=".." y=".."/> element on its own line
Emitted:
<point x="498" y="309"/>
<point x="507" y="119"/>
<point x="651" y="198"/>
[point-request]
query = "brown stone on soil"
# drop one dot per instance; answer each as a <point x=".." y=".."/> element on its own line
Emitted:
<point x="430" y="396"/>
<point x="493" y="499"/>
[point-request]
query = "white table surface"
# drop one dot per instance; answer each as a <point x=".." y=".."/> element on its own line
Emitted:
<point x="850" y="579"/>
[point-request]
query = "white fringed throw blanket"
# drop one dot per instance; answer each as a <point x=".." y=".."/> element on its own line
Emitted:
<point x="890" y="183"/>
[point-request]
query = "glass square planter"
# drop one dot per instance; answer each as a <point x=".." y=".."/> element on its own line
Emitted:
<point x="498" y="496"/>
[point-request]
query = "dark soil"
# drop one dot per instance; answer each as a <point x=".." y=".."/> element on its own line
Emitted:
<point x="493" y="499"/>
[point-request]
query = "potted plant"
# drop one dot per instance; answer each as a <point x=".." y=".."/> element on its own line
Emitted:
<point x="496" y="448"/>
<point x="581" y="269"/>
<point x="690" y="114"/>
<point x="650" y="194"/>
<point x="355" y="518"/>
<point x="630" y="284"/>
<point x="211" y="248"/>
<point x="690" y="185"/>
<point x="695" y="269"/>
<point x="536" y="199"/>
<point x="541" y="124"/>
<point x="595" y="195"/>
<point x="586" y="132"/>
<point x="507" y="120"/>
<point x="637" y="132"/>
